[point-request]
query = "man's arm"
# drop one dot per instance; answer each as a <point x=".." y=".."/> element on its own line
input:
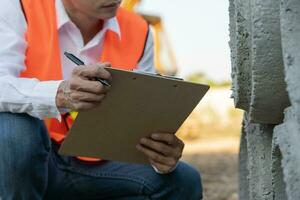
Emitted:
<point x="21" y="95"/>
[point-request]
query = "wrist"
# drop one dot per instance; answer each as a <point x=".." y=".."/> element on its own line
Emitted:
<point x="61" y="102"/>
<point x="170" y="171"/>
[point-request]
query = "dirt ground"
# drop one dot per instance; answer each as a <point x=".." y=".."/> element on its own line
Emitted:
<point x="212" y="134"/>
<point x="218" y="167"/>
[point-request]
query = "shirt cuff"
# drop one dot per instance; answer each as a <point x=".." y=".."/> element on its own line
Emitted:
<point x="159" y="172"/>
<point x="45" y="94"/>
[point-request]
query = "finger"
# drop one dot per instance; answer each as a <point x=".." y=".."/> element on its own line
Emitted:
<point x="168" y="138"/>
<point x="105" y="64"/>
<point x="158" y="147"/>
<point x="103" y="72"/>
<point x="94" y="87"/>
<point x="83" y="106"/>
<point x="92" y="71"/>
<point x="156" y="156"/>
<point x="86" y="97"/>
<point x="161" y="167"/>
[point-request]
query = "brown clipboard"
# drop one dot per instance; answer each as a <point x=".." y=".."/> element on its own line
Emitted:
<point x="137" y="105"/>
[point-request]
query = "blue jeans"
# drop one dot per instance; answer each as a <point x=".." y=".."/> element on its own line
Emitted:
<point x="31" y="169"/>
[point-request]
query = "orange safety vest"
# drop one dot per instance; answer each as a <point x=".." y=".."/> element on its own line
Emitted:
<point x="43" y="52"/>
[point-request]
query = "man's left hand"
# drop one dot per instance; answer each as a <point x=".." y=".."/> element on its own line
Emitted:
<point x="163" y="150"/>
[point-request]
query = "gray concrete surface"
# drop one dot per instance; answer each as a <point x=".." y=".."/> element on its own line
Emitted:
<point x="278" y="183"/>
<point x="243" y="167"/>
<point x="233" y="47"/>
<point x="265" y="52"/>
<point x="240" y="43"/>
<point x="290" y="31"/>
<point x="255" y="42"/>
<point x="259" y="144"/>
<point x="288" y="139"/>
<point x="267" y="101"/>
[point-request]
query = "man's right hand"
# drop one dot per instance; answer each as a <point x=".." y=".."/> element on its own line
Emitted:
<point x="81" y="92"/>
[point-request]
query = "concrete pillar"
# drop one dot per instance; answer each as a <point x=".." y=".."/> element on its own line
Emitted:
<point x="288" y="134"/>
<point x="288" y="138"/>
<point x="240" y="34"/>
<point x="290" y="31"/>
<point x="233" y="49"/>
<point x="243" y="167"/>
<point x="257" y="65"/>
<point x="265" y="52"/>
<point x="269" y="97"/>
<point x="278" y="183"/>
<point x="259" y="138"/>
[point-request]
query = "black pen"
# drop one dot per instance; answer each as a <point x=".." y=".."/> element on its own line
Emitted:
<point x="78" y="62"/>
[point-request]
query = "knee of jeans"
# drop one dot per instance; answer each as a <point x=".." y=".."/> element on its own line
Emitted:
<point x="188" y="180"/>
<point x="21" y="138"/>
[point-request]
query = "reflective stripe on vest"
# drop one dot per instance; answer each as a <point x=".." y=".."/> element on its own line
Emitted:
<point x="43" y="53"/>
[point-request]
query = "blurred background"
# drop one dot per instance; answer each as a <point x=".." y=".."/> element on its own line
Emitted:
<point x="191" y="41"/>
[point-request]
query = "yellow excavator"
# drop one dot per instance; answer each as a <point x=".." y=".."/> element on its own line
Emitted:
<point x="164" y="56"/>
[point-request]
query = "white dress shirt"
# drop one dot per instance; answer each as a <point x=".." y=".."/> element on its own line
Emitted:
<point x="31" y="96"/>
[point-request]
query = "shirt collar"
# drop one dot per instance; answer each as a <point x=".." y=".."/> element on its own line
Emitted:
<point x="63" y="18"/>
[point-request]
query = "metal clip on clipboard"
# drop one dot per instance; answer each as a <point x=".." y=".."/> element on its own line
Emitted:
<point x="160" y="75"/>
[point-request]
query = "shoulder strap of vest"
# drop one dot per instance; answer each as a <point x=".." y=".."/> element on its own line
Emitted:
<point x="138" y="25"/>
<point x="22" y="7"/>
<point x="127" y="51"/>
<point x="145" y="45"/>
